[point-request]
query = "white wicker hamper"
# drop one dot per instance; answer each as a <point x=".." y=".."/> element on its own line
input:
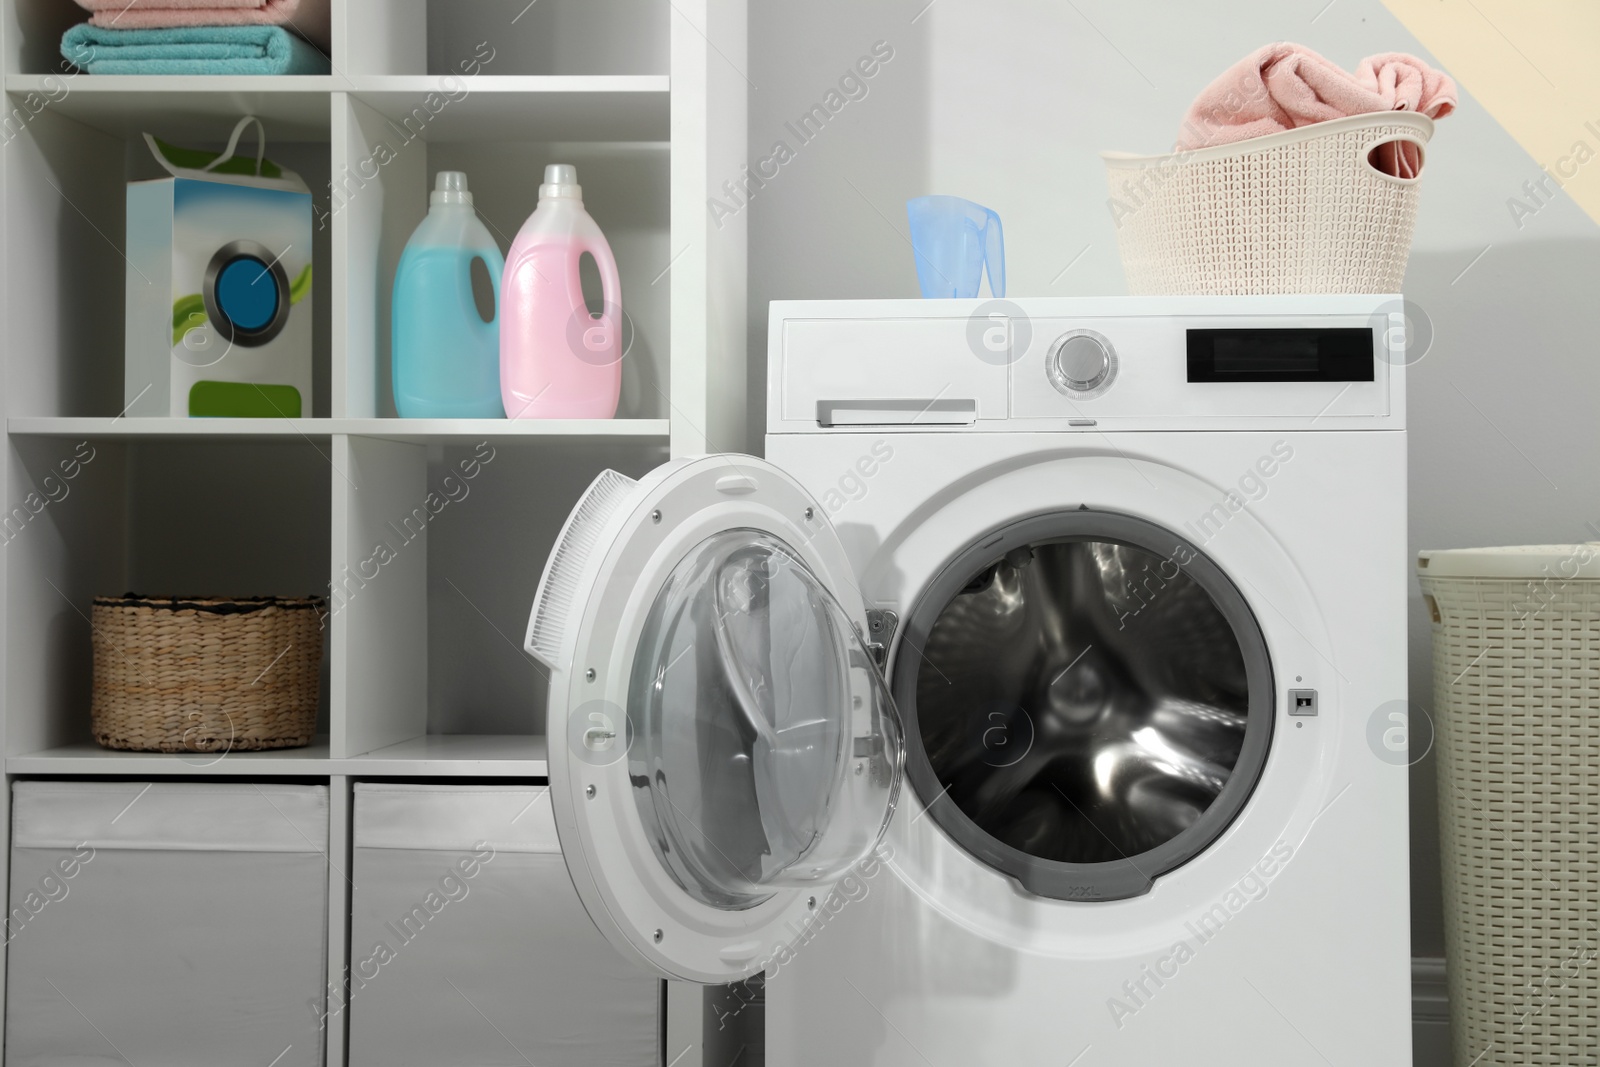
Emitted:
<point x="1516" y="675"/>
<point x="1296" y="212"/>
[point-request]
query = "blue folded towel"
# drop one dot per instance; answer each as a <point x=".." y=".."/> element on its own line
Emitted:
<point x="191" y="50"/>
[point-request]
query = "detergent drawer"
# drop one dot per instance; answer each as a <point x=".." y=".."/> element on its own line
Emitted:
<point x="922" y="371"/>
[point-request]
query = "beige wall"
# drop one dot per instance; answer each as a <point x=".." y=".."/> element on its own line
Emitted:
<point x="1535" y="66"/>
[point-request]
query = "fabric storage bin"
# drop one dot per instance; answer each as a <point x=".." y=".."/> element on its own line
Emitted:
<point x="468" y="944"/>
<point x="176" y="924"/>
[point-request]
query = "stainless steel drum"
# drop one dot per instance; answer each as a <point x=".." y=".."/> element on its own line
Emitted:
<point x="1088" y="701"/>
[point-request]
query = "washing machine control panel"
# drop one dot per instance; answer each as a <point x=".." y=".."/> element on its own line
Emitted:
<point x="1095" y="372"/>
<point x="1051" y="364"/>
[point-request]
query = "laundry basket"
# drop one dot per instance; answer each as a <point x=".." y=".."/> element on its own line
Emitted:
<point x="1297" y="212"/>
<point x="205" y="674"/>
<point x="1516" y="675"/>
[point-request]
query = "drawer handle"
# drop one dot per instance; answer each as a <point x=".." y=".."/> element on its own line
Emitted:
<point x="913" y="411"/>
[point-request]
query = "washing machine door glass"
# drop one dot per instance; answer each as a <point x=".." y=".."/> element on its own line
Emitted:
<point x="1090" y="701"/>
<point x="764" y="738"/>
<point x="723" y="745"/>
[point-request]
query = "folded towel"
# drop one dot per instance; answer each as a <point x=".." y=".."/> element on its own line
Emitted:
<point x="309" y="18"/>
<point x="191" y="50"/>
<point x="1285" y="86"/>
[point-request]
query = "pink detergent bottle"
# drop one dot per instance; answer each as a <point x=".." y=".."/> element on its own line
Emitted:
<point x="557" y="361"/>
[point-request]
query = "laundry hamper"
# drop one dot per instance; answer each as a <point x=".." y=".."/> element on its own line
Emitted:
<point x="1516" y="674"/>
<point x="1302" y="211"/>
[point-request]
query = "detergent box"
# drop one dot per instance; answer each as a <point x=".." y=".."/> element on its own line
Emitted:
<point x="218" y="310"/>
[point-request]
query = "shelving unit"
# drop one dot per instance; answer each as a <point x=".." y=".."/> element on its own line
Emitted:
<point x="424" y="673"/>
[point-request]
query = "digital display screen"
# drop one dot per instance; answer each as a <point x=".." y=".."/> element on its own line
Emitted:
<point x="1281" y="355"/>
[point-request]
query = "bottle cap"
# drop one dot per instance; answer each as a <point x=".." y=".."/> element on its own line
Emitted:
<point x="450" y="187"/>
<point x="561" y="179"/>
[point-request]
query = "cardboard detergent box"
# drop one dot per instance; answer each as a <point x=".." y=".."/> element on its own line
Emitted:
<point x="218" y="310"/>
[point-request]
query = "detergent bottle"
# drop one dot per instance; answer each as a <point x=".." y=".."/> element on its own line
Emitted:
<point x="446" y="353"/>
<point x="557" y="361"/>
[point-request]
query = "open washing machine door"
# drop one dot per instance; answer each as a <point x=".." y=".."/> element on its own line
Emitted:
<point x="722" y="745"/>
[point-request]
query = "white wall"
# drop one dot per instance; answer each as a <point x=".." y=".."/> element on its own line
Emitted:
<point x="1008" y="102"/>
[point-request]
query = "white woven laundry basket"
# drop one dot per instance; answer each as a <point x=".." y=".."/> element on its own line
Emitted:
<point x="1516" y="675"/>
<point x="1295" y="212"/>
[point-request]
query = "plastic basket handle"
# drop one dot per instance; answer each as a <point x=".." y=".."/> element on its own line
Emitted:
<point x="1398" y="157"/>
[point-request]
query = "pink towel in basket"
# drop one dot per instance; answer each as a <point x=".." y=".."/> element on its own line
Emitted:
<point x="309" y="18"/>
<point x="1284" y="86"/>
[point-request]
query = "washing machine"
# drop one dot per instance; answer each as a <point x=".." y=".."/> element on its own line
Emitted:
<point x="1038" y="699"/>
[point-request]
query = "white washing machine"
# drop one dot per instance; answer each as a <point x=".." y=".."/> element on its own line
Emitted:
<point x="1130" y="788"/>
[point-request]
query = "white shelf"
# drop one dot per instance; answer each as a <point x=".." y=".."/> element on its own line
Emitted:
<point x="115" y="428"/>
<point x="477" y="429"/>
<point x="113" y="84"/>
<point x="293" y="108"/>
<point x="573" y="107"/>
<point x="508" y="83"/>
<point x="444" y="108"/>
<point x="89" y="758"/>
<point x="485" y="755"/>
<point x="465" y="755"/>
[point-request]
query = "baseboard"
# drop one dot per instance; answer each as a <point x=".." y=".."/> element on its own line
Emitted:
<point x="1430" y="1013"/>
<point x="1430" y="1003"/>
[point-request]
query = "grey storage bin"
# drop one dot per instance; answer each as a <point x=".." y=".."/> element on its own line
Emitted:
<point x="468" y="944"/>
<point x="169" y="923"/>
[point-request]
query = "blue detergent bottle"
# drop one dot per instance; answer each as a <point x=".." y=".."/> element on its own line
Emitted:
<point x="446" y="341"/>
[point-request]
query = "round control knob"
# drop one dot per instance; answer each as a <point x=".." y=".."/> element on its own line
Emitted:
<point x="1082" y="364"/>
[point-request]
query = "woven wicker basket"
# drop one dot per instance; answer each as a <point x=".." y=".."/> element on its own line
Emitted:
<point x="204" y="674"/>
<point x="1295" y="212"/>
<point x="1516" y="674"/>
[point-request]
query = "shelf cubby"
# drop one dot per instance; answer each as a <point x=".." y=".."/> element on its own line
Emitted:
<point x="389" y="145"/>
<point x="551" y="37"/>
<point x="489" y="107"/>
<point x="65" y="218"/>
<point x="99" y="516"/>
<point x="519" y="37"/>
<point x="443" y="544"/>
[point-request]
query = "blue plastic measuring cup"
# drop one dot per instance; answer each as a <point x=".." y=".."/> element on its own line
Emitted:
<point x="952" y="239"/>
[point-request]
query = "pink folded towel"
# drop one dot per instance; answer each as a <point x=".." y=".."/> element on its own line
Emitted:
<point x="1284" y="86"/>
<point x="309" y="18"/>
